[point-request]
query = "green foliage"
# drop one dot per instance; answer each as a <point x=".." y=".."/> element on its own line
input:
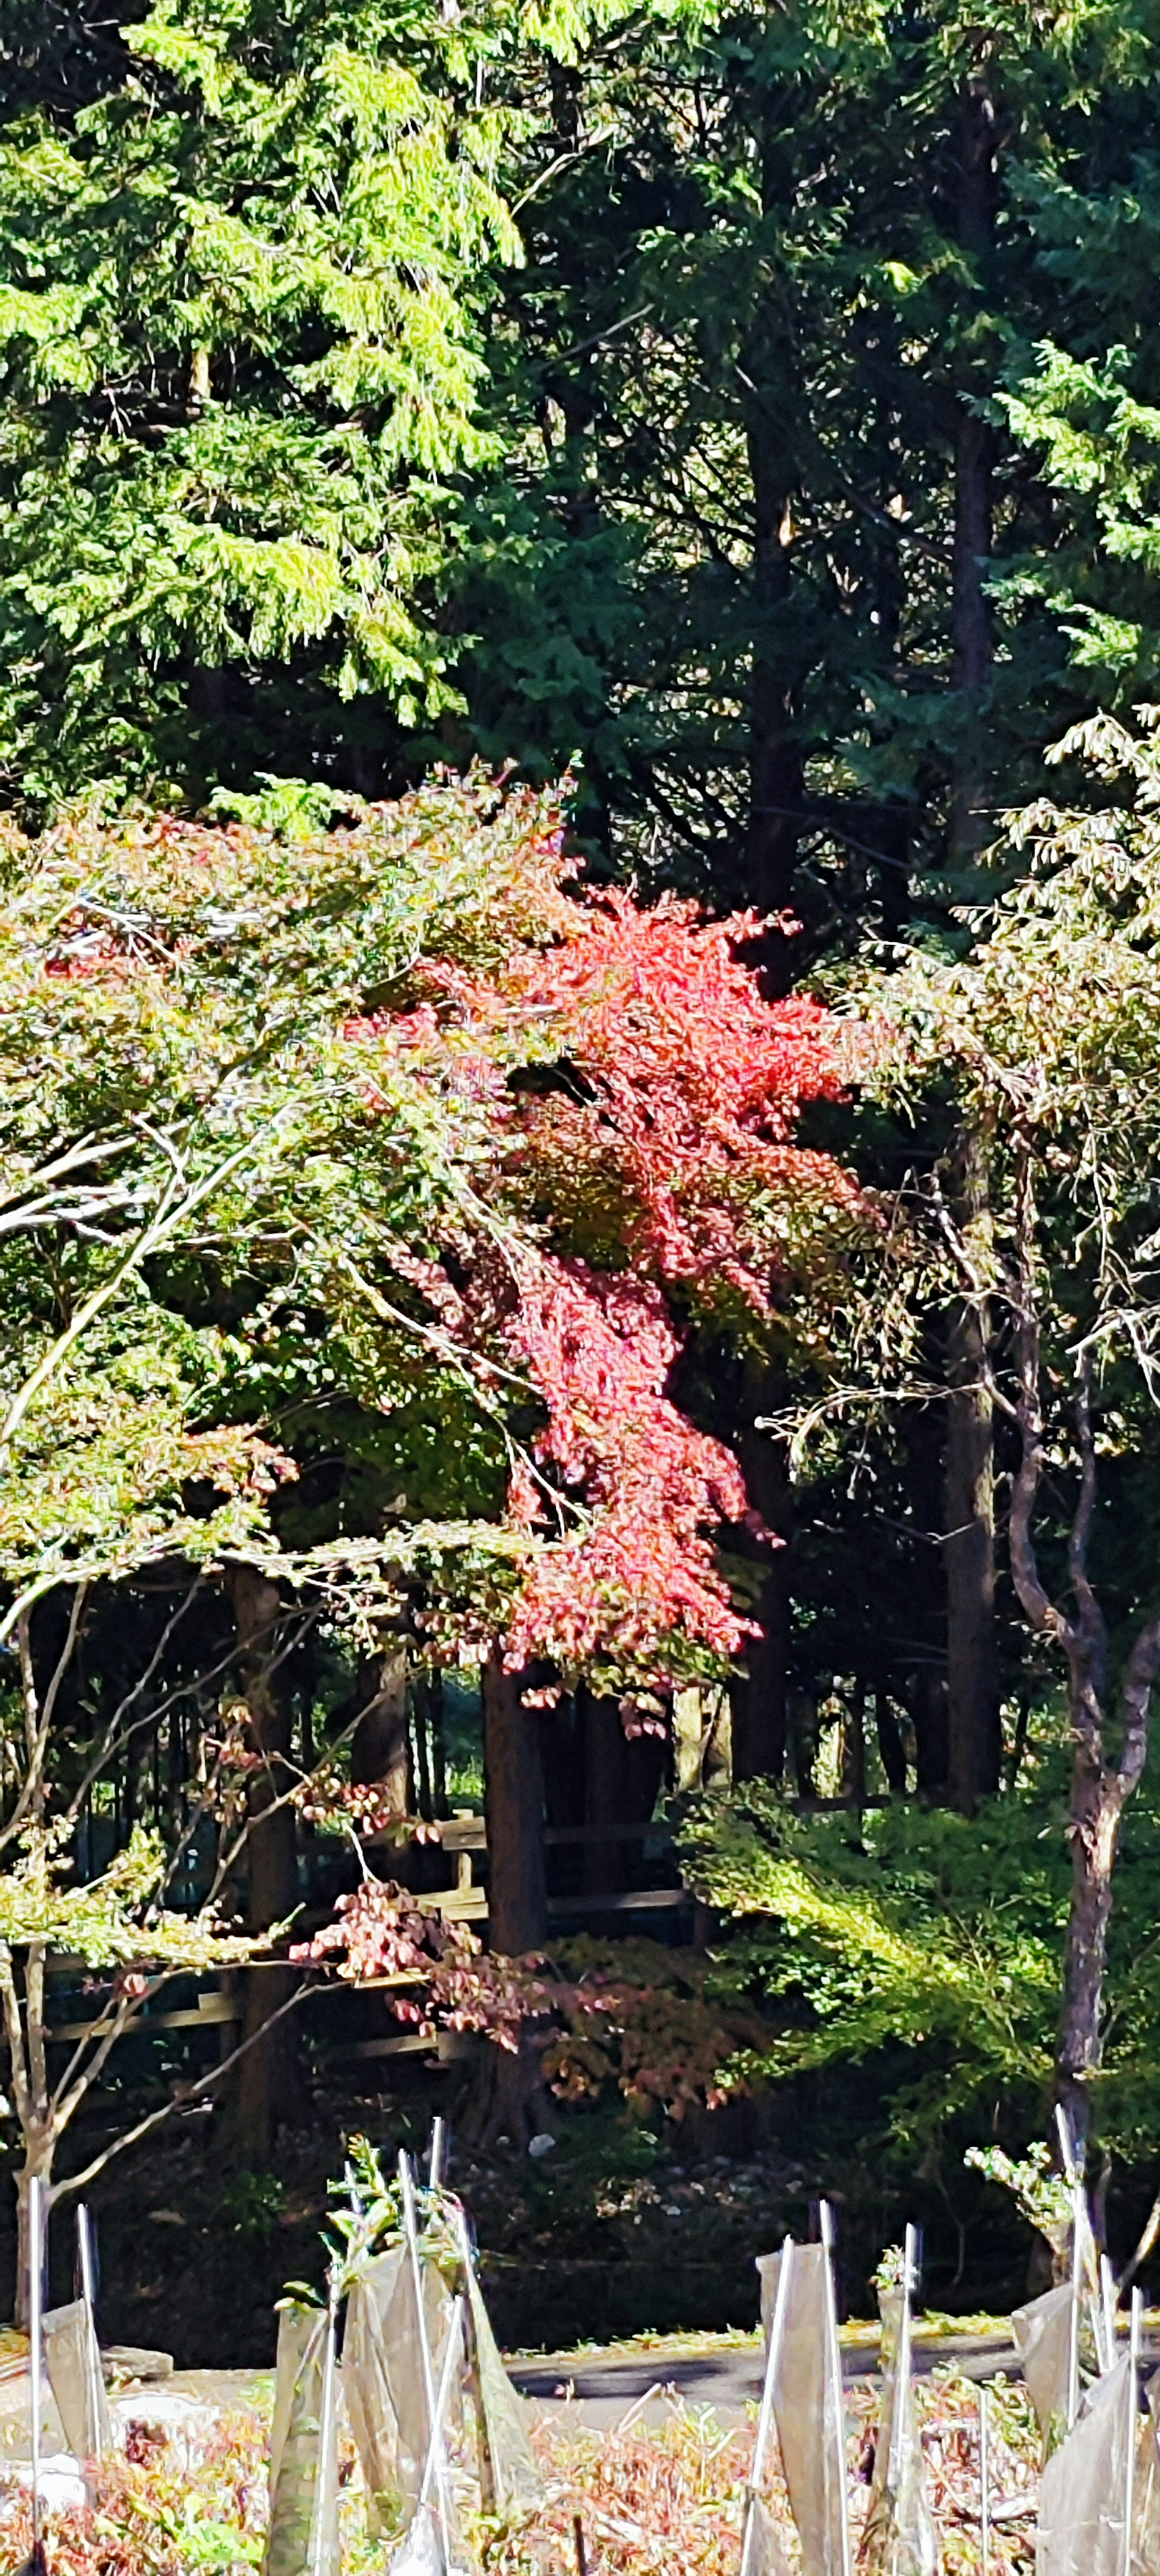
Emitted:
<point x="253" y="2204"/>
<point x="238" y="368"/>
<point x="932" y="1941"/>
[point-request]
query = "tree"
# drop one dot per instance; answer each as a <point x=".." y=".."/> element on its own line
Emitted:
<point x="250" y="1217"/>
<point x="1049" y="1028"/>
<point x="239" y="368"/>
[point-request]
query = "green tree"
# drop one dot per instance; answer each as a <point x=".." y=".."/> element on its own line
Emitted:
<point x="238" y="368"/>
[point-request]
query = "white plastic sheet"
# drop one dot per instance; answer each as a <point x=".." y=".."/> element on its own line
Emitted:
<point x="73" y="2362"/>
<point x="303" y="2537"/>
<point x="807" y="2407"/>
<point x="1041" y="2333"/>
<point x="898" y="2536"/>
<point x="1083" y="2489"/>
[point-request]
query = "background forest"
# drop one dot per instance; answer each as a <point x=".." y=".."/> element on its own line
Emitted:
<point x="580" y="1018"/>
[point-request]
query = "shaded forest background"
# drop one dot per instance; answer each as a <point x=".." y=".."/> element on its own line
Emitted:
<point x="752" y="418"/>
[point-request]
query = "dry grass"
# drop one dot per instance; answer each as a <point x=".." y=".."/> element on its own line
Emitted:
<point x="647" y="2498"/>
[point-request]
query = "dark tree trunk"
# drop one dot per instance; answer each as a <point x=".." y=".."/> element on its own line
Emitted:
<point x="975" y="1734"/>
<point x="378" y="1751"/>
<point x="974" y="464"/>
<point x="514" y="1798"/>
<point x="928" y="1708"/>
<point x="775" y="753"/>
<point x="506" y="2097"/>
<point x="1099" y="1793"/>
<point x="891" y="1749"/>
<point x="269" y="2092"/>
<point x="621" y="1780"/>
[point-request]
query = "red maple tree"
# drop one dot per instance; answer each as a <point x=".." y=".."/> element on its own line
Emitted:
<point x="642" y="1097"/>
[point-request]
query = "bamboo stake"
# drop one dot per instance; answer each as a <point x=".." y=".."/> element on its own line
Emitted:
<point x="765" y="2417"/>
<point x="325" y="2439"/>
<point x="834" y="2374"/>
<point x="432" y="2468"/>
<point x="411" y="2231"/>
<point x="1078" y="2215"/>
<point x="1107" y="2313"/>
<point x="902" y="2366"/>
<point x="1134" y="2328"/>
<point x="35" y="2303"/>
<point x="438" y="2153"/>
<point x="92" y="2353"/>
<point x="984" y="2487"/>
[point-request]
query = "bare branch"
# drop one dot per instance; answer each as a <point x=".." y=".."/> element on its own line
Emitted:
<point x="34" y="2027"/>
<point x="14" y="2029"/>
<point x="190" y="2093"/>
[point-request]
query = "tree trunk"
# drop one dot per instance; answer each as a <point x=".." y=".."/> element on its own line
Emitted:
<point x="269" y="2091"/>
<point x="891" y="1749"/>
<point x="1099" y="1794"/>
<point x="39" y="2151"/>
<point x="621" y="1780"/>
<point x="974" y="1730"/>
<point x="775" y="755"/>
<point x="514" y="1799"/>
<point x="1094" y="1829"/>
<point x="974" y="462"/>
<point x="378" y="1753"/>
<point x="776" y="765"/>
<point x="506" y="2096"/>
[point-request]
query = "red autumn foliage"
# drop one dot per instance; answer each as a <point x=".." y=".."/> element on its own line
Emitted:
<point x="688" y="1086"/>
<point x="658" y="1133"/>
<point x="380" y="1931"/>
<point x="641" y="1568"/>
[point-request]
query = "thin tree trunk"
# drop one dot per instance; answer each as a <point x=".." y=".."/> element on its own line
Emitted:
<point x="1099" y="1794"/>
<point x="269" y="2092"/>
<point x="974" y="1731"/>
<point x="1100" y="1789"/>
<point x="39" y="2152"/>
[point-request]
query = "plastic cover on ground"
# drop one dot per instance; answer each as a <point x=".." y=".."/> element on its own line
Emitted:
<point x="765" y="2555"/>
<point x="303" y="2538"/>
<point x="1041" y="2333"/>
<point x="898" y="2535"/>
<point x="1083" y="2490"/>
<point x="366" y="2383"/>
<point x="73" y="2361"/>
<point x="807" y="2408"/>
<point x="511" y="2482"/>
